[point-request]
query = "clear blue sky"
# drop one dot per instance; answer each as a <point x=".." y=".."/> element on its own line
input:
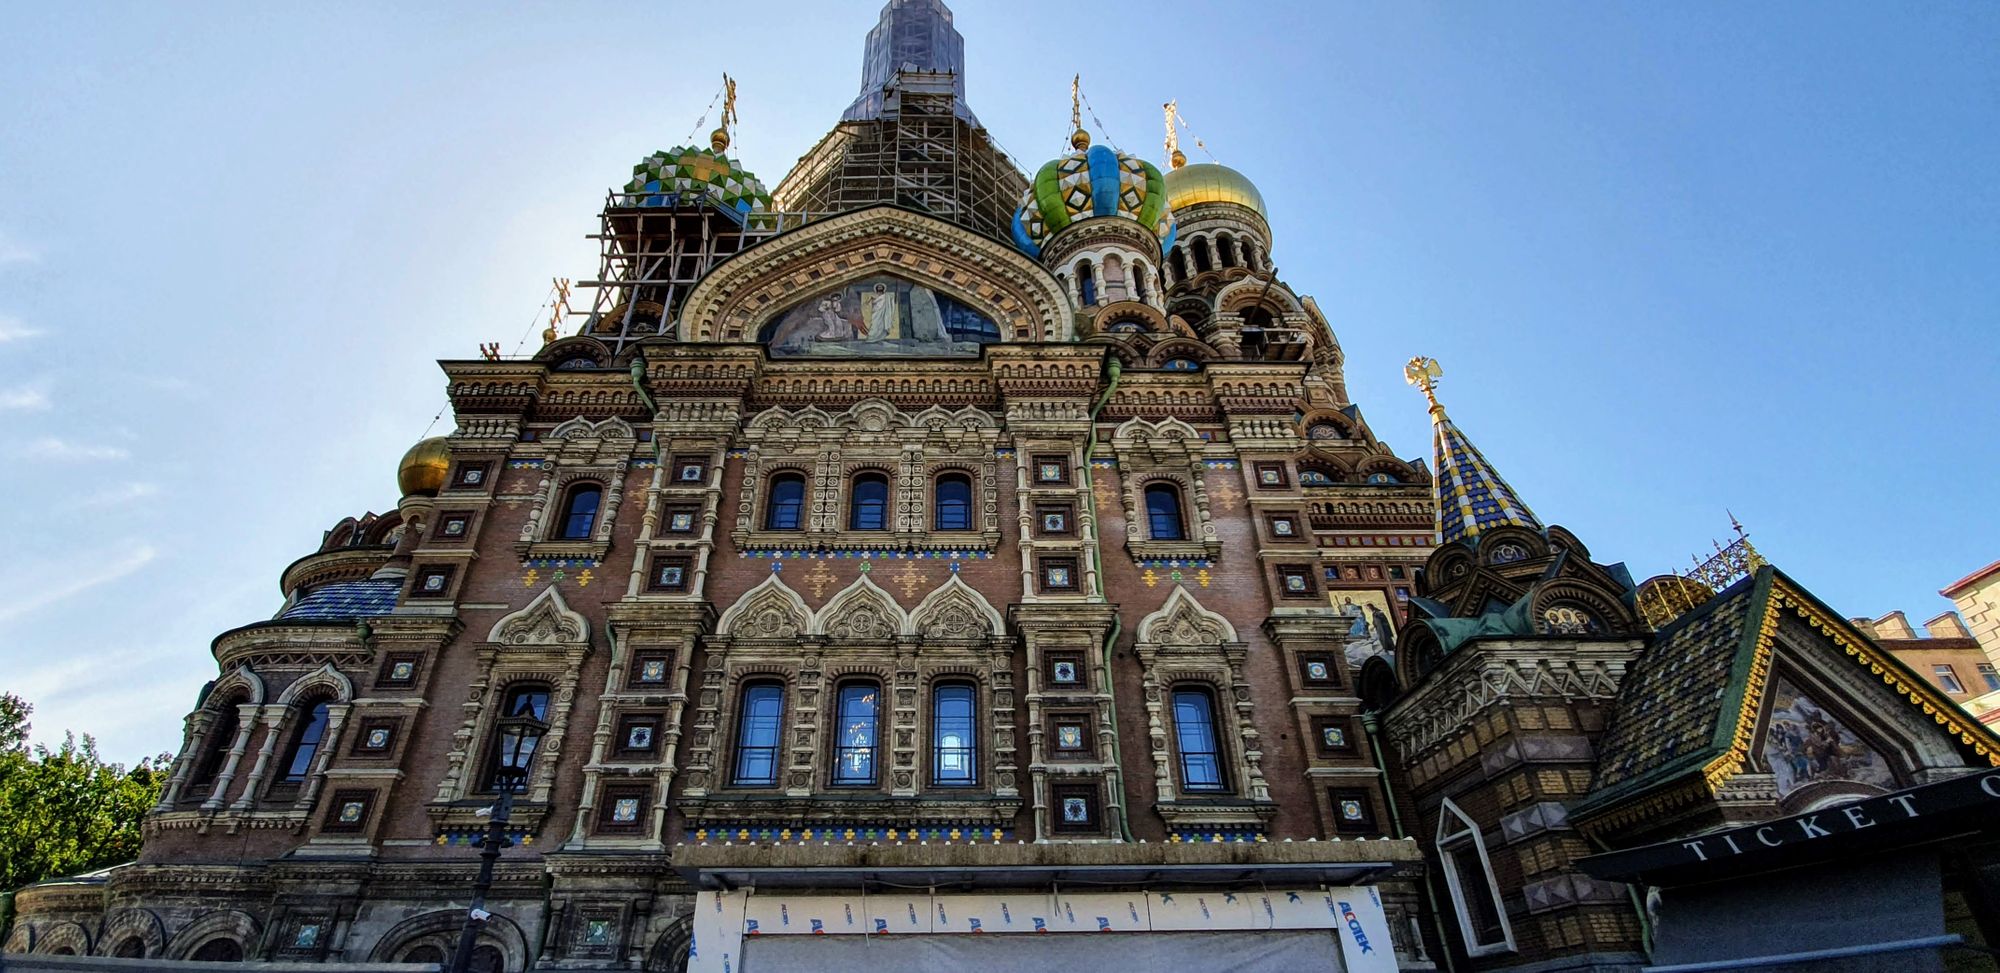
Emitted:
<point x="1675" y="258"/>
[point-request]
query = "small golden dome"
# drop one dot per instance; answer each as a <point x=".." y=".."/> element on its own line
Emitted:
<point x="1080" y="139"/>
<point x="1209" y="182"/>
<point x="423" y="469"/>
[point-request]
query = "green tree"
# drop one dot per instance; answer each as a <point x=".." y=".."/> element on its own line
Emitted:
<point x="64" y="811"/>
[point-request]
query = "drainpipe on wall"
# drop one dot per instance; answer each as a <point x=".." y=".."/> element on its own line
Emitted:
<point x="1112" y="369"/>
<point x="1372" y="725"/>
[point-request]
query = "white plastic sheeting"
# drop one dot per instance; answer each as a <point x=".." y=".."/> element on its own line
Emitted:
<point x="1290" y="951"/>
<point x="1262" y="926"/>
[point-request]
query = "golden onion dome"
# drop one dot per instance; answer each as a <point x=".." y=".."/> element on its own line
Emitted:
<point x="423" y="469"/>
<point x="1210" y="182"/>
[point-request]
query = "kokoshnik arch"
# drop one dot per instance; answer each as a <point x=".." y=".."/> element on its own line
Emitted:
<point x="927" y="548"/>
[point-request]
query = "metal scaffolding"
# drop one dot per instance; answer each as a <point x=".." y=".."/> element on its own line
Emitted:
<point x="919" y="154"/>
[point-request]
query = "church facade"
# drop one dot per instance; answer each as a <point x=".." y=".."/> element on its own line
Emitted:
<point x="924" y="549"/>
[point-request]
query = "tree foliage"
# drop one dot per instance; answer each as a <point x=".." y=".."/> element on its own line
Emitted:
<point x="64" y="810"/>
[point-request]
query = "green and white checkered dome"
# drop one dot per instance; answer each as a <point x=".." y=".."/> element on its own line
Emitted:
<point x="689" y="170"/>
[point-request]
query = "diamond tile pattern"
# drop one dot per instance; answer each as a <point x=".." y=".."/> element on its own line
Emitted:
<point x="1471" y="495"/>
<point x="347" y="599"/>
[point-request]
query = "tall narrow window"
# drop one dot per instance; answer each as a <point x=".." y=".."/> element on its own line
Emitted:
<point x="854" y="754"/>
<point x="1086" y="282"/>
<point x="215" y="749"/>
<point x="1194" y="731"/>
<point x="580" y="512"/>
<point x="954" y="502"/>
<point x="1139" y="275"/>
<point x="786" y="508"/>
<point x="306" y="738"/>
<point x="1163" y="512"/>
<point x="1991" y="677"/>
<point x="1203" y="261"/>
<point x="757" y="734"/>
<point x="868" y="509"/>
<point x="1481" y="917"/>
<point x="1114" y="278"/>
<point x="1178" y="261"/>
<point x="953" y="732"/>
<point x="524" y="715"/>
<point x="1226" y="249"/>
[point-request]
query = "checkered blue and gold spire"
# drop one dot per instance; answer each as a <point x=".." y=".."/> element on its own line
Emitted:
<point x="1471" y="495"/>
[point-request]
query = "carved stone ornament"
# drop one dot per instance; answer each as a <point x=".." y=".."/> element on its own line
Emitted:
<point x="956" y="611"/>
<point x="1183" y="621"/>
<point x="861" y="611"/>
<point x="547" y="620"/>
<point x="768" y="611"/>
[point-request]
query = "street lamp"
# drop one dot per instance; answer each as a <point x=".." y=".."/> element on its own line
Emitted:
<point x="510" y="774"/>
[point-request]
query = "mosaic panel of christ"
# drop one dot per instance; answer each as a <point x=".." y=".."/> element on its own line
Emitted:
<point x="878" y="317"/>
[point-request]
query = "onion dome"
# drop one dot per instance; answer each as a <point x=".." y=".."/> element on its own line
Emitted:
<point x="1210" y="182"/>
<point x="1090" y="182"/>
<point x="423" y="468"/>
<point x="693" y="170"/>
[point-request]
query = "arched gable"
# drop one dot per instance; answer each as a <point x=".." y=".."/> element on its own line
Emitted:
<point x="323" y="679"/>
<point x="547" y="620"/>
<point x="733" y="301"/>
<point x="955" y="610"/>
<point x="1182" y="620"/>
<point x="771" y="610"/>
<point x="861" y="610"/>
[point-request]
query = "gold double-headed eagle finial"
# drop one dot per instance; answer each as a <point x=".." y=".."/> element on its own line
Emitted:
<point x="720" y="137"/>
<point x="1423" y="373"/>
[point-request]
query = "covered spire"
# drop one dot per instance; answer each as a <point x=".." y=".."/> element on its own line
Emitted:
<point x="1471" y="495"/>
<point x="913" y="36"/>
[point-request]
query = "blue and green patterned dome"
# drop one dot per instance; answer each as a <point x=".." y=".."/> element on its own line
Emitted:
<point x="1094" y="181"/>
<point x="688" y="170"/>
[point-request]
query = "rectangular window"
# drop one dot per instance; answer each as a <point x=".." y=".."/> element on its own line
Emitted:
<point x="757" y="735"/>
<point x="1055" y="520"/>
<point x="471" y="476"/>
<point x="1066" y="671"/>
<point x="954" y="749"/>
<point x="1271" y="476"/>
<point x="681" y="519"/>
<point x="1320" y="669"/>
<point x="690" y="470"/>
<point x="638" y="736"/>
<point x="1296" y="581"/>
<point x="1333" y="736"/>
<point x="624" y="808"/>
<point x="1194" y="731"/>
<point x="671" y="573"/>
<point x="854" y="756"/>
<point x="1070" y="738"/>
<point x="348" y="811"/>
<point x="454" y="527"/>
<point x="399" y="669"/>
<point x="1947" y="677"/>
<point x="1991" y="678"/>
<point x="432" y="581"/>
<point x="1052" y="471"/>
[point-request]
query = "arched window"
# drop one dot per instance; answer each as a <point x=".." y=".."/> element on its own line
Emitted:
<point x="954" y="736"/>
<point x="1226" y="249"/>
<point x="1194" y="733"/>
<point x="855" y="733"/>
<point x="1178" y="261"/>
<point x="1203" y="262"/>
<point x="1086" y="282"/>
<point x="1250" y="256"/>
<point x="758" y="730"/>
<point x="1257" y="316"/>
<point x="953" y="506"/>
<point x="215" y="748"/>
<point x="580" y="511"/>
<point x="1139" y="275"/>
<point x="423" y="954"/>
<point x="524" y="719"/>
<point x="306" y="738"/>
<point x="131" y="947"/>
<point x="868" y="506"/>
<point x="1163" y="512"/>
<point x="786" y="508"/>
<point x="1481" y="916"/>
<point x="219" y="951"/>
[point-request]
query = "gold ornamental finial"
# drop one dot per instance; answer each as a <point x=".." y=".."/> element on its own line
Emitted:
<point x="1079" y="138"/>
<point x="720" y="137"/>
<point x="558" y="310"/>
<point x="1423" y="373"/>
<point x="1175" y="157"/>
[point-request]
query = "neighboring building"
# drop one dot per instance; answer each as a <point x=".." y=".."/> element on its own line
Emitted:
<point x="1977" y="596"/>
<point x="1944" y="653"/>
<point x="925" y="550"/>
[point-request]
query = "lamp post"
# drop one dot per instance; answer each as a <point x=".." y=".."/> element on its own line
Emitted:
<point x="511" y="775"/>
